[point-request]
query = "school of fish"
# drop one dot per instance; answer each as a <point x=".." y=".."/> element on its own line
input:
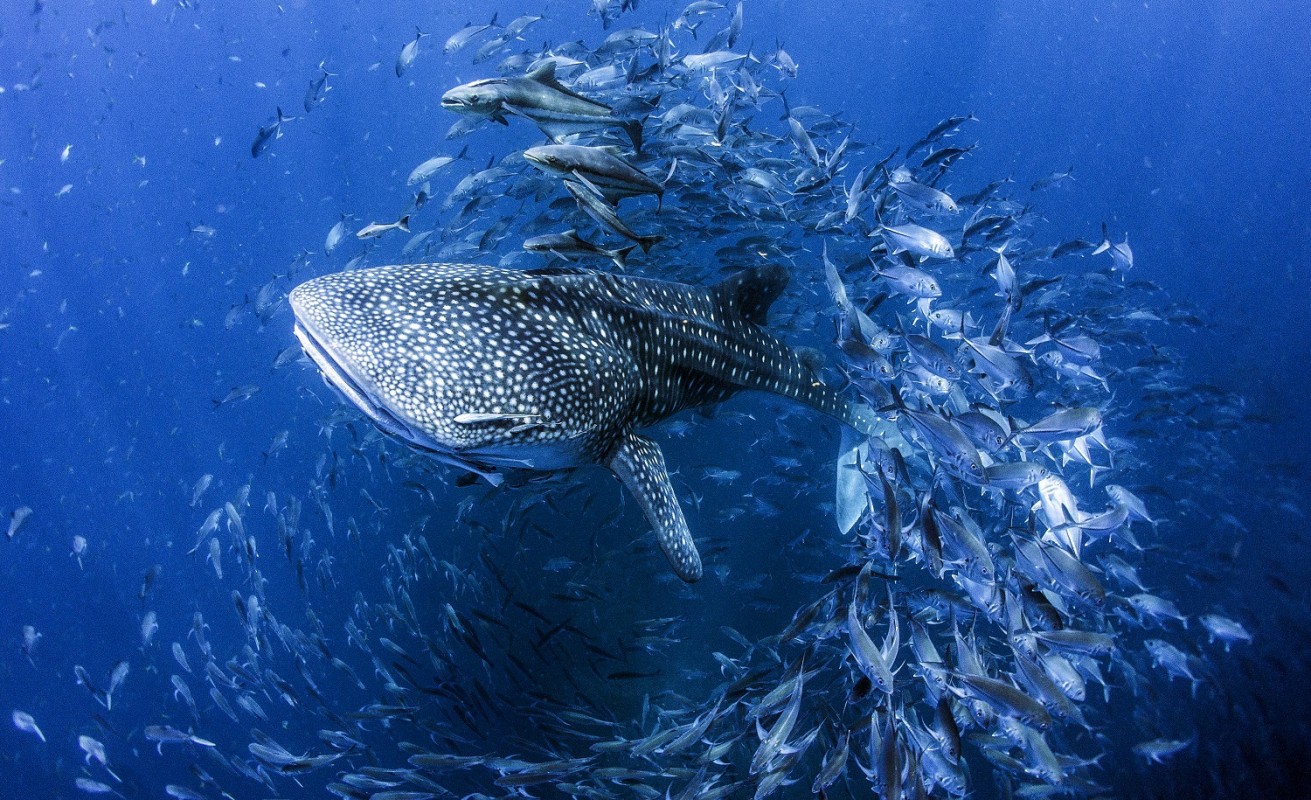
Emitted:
<point x="977" y="609"/>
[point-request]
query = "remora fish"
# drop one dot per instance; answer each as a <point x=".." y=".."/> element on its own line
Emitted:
<point x="435" y="354"/>
<point x="596" y="207"/>
<point x="569" y="245"/>
<point x="615" y="176"/>
<point x="540" y="97"/>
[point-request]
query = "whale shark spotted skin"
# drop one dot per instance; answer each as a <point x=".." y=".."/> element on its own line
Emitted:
<point x="491" y="368"/>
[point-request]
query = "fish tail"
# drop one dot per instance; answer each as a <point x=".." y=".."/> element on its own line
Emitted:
<point x="620" y="256"/>
<point x="646" y="242"/>
<point x="634" y="129"/>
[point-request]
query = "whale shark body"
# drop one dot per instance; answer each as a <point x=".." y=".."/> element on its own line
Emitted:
<point x="490" y="368"/>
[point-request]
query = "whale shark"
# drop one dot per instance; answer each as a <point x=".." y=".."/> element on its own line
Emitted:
<point x="492" y="369"/>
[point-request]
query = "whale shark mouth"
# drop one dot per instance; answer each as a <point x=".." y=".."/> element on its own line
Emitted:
<point x="338" y="374"/>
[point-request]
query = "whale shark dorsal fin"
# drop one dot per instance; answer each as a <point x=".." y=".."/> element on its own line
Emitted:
<point x="751" y="292"/>
<point x="638" y="462"/>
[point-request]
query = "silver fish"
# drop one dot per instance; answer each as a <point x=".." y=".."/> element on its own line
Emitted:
<point x="408" y="53"/>
<point x="375" y="229"/>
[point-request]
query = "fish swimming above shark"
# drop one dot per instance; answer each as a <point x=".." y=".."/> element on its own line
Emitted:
<point x="489" y="368"/>
<point x="539" y="96"/>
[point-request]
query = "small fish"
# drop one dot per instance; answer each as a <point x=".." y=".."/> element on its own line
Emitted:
<point x="1225" y="629"/>
<point x="215" y="558"/>
<point x="78" y="548"/>
<point x="409" y="53"/>
<point x="921" y="196"/>
<point x="1054" y="179"/>
<point x="16" y="519"/>
<point x="595" y="206"/>
<point x="149" y="627"/>
<point x="92" y="786"/>
<point x="570" y="245"/>
<point x="465" y="35"/>
<point x="267" y="133"/>
<point x="917" y="240"/>
<point x="30" y="638"/>
<point x="95" y="749"/>
<point x="165" y="734"/>
<point x="375" y="229"/>
<point x="1157" y="750"/>
<point x="314" y="95"/>
<point x="201" y="486"/>
<point x="116" y="678"/>
<point x="24" y="722"/>
<point x="180" y="656"/>
<point x="431" y="167"/>
<point x="1121" y="254"/>
<point x="336" y="234"/>
<point x="237" y="394"/>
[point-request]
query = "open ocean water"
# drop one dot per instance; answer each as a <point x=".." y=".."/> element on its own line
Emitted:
<point x="1069" y="557"/>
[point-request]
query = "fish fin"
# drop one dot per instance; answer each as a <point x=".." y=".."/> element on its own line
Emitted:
<point x="609" y="197"/>
<point x="1106" y="241"/>
<point x="751" y="292"/>
<point x="620" y="256"/>
<point x="559" y="130"/>
<point x="639" y="464"/>
<point x="634" y="130"/>
<point x="544" y="73"/>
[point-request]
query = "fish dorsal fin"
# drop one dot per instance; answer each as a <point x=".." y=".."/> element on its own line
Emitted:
<point x="638" y="462"/>
<point x="751" y="292"/>
<point x="544" y="73"/>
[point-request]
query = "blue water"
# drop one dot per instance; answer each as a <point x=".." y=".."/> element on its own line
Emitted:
<point x="1183" y="124"/>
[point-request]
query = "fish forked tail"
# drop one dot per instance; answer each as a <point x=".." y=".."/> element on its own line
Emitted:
<point x="647" y="242"/>
<point x="633" y="128"/>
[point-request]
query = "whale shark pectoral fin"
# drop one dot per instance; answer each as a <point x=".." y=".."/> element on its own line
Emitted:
<point x="638" y="462"/>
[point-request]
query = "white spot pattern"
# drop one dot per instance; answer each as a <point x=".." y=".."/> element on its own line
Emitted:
<point x="587" y="357"/>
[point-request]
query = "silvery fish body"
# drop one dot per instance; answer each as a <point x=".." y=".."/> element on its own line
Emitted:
<point x="491" y="368"/>
<point x="540" y="97"/>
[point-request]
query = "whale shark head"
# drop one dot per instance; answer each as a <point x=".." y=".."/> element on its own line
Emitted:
<point x="460" y="361"/>
<point x="492" y="368"/>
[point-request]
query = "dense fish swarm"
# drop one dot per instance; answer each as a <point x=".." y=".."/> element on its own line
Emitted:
<point x="973" y="619"/>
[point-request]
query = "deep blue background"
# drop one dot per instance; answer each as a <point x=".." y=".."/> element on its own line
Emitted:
<point x="1185" y="124"/>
